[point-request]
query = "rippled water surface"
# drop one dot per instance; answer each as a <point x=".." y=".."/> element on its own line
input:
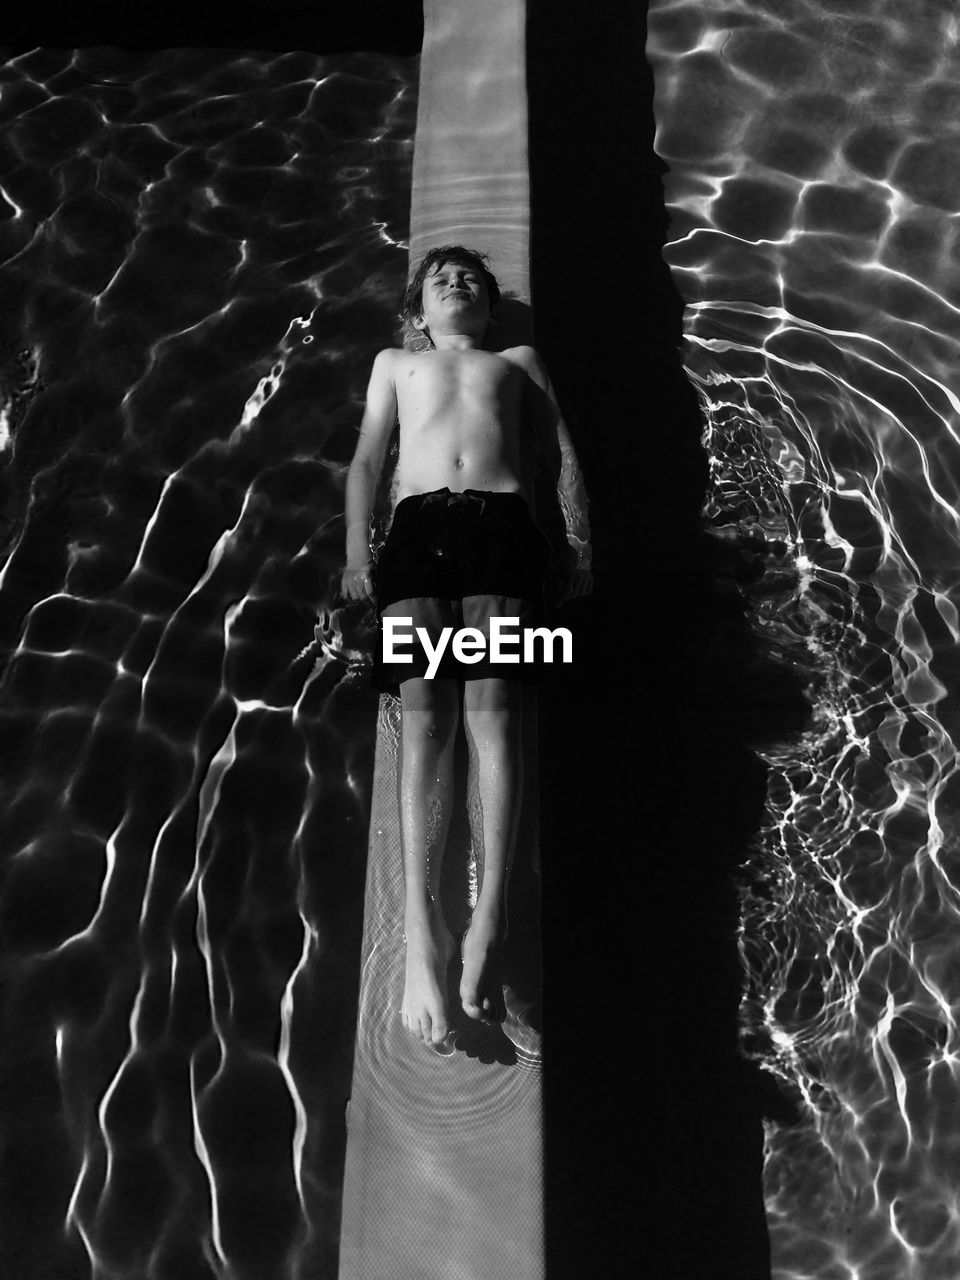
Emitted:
<point x="814" y="195"/>
<point x="201" y="250"/>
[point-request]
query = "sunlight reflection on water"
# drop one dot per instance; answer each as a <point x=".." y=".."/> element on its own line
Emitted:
<point x="201" y="252"/>
<point x="813" y="203"/>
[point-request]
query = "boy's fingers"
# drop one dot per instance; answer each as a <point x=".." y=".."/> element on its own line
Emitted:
<point x="582" y="583"/>
<point x="564" y="583"/>
<point x="356" y="586"/>
<point x="571" y="584"/>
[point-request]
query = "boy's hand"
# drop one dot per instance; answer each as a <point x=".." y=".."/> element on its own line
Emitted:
<point x="356" y="586"/>
<point x="576" y="573"/>
<point x="565" y="582"/>
<point x="579" y="582"/>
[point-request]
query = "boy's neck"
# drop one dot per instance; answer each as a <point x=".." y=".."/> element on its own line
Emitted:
<point x="456" y="341"/>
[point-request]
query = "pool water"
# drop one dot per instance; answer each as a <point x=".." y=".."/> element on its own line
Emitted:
<point x="813" y="203"/>
<point x="202" y="251"/>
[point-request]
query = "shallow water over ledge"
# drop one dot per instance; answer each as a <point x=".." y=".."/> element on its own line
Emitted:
<point x="813" y="200"/>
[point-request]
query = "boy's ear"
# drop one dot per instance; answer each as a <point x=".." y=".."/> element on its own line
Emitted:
<point x="418" y="322"/>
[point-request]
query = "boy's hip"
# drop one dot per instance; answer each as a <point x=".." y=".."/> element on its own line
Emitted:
<point x="453" y="544"/>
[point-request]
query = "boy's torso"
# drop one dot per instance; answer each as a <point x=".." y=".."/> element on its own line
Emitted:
<point x="462" y="423"/>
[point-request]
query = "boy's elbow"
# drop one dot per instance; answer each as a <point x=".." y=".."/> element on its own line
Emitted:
<point x="362" y="470"/>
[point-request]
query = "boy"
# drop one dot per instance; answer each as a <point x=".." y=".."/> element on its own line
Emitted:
<point x="463" y="548"/>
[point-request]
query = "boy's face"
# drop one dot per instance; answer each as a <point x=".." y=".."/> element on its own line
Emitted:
<point x="454" y="300"/>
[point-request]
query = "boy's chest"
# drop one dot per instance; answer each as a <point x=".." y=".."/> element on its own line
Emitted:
<point x="478" y="380"/>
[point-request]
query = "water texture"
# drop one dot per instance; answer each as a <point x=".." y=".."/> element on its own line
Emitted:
<point x="814" y="197"/>
<point x="201" y="251"/>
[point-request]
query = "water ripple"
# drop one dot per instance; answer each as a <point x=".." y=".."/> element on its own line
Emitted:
<point x="813" y="204"/>
<point x="200" y="251"/>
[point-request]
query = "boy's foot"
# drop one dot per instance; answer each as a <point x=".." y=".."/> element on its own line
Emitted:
<point x="480" y="991"/>
<point x="423" y="1010"/>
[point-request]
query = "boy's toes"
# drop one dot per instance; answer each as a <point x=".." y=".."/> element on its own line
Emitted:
<point x="416" y="1026"/>
<point x="489" y="1012"/>
<point x="480" y="1009"/>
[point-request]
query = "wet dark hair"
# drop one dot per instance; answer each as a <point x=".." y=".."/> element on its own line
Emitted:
<point x="412" y="303"/>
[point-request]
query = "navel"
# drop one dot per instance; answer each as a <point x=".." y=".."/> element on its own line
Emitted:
<point x="459" y="464"/>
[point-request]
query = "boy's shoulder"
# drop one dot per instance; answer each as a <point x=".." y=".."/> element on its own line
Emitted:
<point x="385" y="364"/>
<point x="387" y="355"/>
<point x="390" y="358"/>
<point x="522" y="354"/>
<point x="527" y="358"/>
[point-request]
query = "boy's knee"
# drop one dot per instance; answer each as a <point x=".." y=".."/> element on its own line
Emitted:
<point x="430" y="709"/>
<point x="495" y="703"/>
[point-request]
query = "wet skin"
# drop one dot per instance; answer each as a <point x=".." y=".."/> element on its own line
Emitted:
<point x="469" y="419"/>
<point x="491" y="717"/>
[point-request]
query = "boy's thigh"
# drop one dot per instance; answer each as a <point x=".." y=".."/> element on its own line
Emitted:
<point x="494" y="650"/>
<point x="424" y="617"/>
<point x="429" y="707"/>
<point x="502" y="622"/>
<point x="480" y="611"/>
<point x="429" y="612"/>
<point x="492" y="699"/>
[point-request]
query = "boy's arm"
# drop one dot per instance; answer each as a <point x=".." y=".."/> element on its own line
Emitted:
<point x="379" y="416"/>
<point x="555" y="442"/>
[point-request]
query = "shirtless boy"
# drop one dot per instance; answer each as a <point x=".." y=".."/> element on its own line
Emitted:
<point x="463" y="548"/>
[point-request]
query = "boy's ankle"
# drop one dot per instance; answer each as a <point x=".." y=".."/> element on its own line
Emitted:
<point x="419" y="908"/>
<point x="489" y="912"/>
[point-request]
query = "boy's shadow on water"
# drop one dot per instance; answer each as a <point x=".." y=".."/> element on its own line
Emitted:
<point x="653" y="791"/>
<point x="511" y="324"/>
<point x="486" y="1045"/>
<point x="649" y="745"/>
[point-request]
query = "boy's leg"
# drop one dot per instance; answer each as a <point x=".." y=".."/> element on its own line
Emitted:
<point x="492" y="717"/>
<point x="429" y="718"/>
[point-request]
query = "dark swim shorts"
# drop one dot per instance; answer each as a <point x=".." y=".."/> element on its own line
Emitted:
<point x="457" y="560"/>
